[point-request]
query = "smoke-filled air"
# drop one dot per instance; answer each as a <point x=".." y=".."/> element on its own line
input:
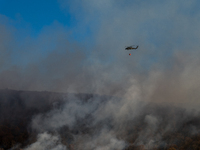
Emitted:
<point x="67" y="81"/>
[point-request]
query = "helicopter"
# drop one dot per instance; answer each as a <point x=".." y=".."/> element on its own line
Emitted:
<point x="131" y="48"/>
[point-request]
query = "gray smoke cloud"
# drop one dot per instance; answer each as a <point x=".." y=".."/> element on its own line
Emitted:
<point x="165" y="69"/>
<point x="47" y="141"/>
<point x="105" y="120"/>
<point x="167" y="33"/>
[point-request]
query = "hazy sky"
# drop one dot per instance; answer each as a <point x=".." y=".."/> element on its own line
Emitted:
<point x="78" y="45"/>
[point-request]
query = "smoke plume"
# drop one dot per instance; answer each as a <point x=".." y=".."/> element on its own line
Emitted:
<point x="148" y="99"/>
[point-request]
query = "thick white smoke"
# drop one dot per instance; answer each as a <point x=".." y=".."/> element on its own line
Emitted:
<point x="47" y="141"/>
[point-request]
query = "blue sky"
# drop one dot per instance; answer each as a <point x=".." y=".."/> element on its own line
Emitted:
<point x="36" y="13"/>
